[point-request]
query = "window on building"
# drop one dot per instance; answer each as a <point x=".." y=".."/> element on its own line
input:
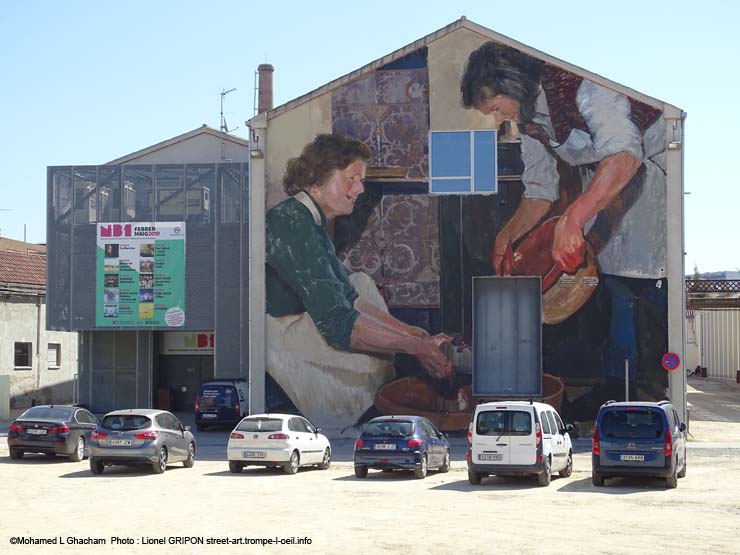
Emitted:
<point x="54" y="355"/>
<point x="138" y="193"/>
<point x="200" y="181"/>
<point x="86" y="195"/>
<point x="170" y="193"/>
<point x="23" y="355"/>
<point x="463" y="162"/>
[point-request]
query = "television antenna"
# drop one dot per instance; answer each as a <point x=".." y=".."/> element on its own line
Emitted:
<point x="224" y="126"/>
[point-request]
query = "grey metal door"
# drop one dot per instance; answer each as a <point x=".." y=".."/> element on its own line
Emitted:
<point x="507" y="336"/>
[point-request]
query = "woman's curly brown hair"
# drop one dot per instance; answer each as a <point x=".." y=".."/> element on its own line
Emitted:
<point x="319" y="159"/>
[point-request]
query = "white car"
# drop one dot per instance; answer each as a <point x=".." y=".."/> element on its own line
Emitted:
<point x="509" y="438"/>
<point x="277" y="440"/>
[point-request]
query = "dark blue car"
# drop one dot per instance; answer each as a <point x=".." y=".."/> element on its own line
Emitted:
<point x="638" y="439"/>
<point x="401" y="443"/>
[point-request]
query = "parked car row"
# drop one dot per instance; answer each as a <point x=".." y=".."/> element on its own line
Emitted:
<point x="123" y="437"/>
<point x="505" y="438"/>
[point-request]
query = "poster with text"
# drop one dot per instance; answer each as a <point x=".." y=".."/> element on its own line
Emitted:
<point x="140" y="274"/>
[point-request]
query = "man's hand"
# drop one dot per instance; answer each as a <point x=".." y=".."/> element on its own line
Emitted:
<point x="503" y="255"/>
<point x="569" y="245"/>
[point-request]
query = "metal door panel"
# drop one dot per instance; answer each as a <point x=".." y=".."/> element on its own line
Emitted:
<point x="507" y="336"/>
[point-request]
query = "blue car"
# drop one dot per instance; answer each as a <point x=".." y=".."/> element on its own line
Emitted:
<point x="638" y="439"/>
<point x="401" y="443"/>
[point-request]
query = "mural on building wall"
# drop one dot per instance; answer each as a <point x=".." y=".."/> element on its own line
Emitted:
<point x="370" y="295"/>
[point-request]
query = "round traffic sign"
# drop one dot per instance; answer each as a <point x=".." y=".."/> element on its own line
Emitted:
<point x="670" y="361"/>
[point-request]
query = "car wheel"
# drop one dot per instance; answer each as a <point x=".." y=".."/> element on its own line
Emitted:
<point x="190" y="461"/>
<point x="682" y="474"/>
<point x="446" y="464"/>
<point x="291" y="467"/>
<point x="597" y="479"/>
<point x="421" y="471"/>
<point x="160" y="465"/>
<point x="326" y="462"/>
<point x="16" y="454"/>
<point x="96" y="467"/>
<point x="474" y="478"/>
<point x="79" y="453"/>
<point x="672" y="480"/>
<point x="568" y="470"/>
<point x="360" y="471"/>
<point x="544" y="478"/>
<point x="236" y="466"/>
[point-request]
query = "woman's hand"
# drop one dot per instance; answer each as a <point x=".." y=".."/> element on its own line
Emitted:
<point x="502" y="255"/>
<point x="569" y="245"/>
<point x="430" y="356"/>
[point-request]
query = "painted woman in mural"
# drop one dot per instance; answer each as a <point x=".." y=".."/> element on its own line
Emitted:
<point x="330" y="334"/>
<point x="615" y="147"/>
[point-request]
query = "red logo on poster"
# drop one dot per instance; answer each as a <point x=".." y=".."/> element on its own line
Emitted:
<point x="670" y="361"/>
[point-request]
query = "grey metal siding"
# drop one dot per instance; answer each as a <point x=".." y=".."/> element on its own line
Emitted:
<point x="507" y="330"/>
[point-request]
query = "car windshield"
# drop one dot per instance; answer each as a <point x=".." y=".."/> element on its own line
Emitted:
<point x="125" y="422"/>
<point x="391" y="428"/>
<point x="52" y="413"/>
<point x="213" y="396"/>
<point x="634" y="424"/>
<point x="260" y="425"/>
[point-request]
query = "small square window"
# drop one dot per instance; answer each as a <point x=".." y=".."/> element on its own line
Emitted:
<point x="23" y="355"/>
<point x="54" y="355"/>
<point x="463" y="162"/>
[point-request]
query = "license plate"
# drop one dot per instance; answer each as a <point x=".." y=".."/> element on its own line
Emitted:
<point x="638" y="458"/>
<point x="36" y="432"/>
<point x="254" y="454"/>
<point x="386" y="446"/>
<point x="490" y="456"/>
<point x="118" y="442"/>
<point x="209" y="415"/>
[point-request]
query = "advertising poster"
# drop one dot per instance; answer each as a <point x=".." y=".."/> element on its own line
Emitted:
<point x="140" y="274"/>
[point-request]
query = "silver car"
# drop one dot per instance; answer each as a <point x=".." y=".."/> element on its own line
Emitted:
<point x="141" y="436"/>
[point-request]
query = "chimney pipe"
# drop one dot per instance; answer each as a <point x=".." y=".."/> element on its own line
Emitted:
<point x="264" y="94"/>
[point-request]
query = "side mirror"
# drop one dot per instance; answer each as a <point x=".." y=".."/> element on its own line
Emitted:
<point x="682" y="427"/>
<point x="318" y="431"/>
<point x="186" y="428"/>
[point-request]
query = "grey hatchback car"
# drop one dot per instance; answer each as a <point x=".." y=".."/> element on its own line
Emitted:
<point x="141" y="436"/>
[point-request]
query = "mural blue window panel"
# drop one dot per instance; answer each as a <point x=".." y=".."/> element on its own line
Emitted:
<point x="463" y="162"/>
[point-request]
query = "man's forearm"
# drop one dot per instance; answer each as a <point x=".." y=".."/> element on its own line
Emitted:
<point x="381" y="316"/>
<point x="371" y="334"/>
<point x="612" y="175"/>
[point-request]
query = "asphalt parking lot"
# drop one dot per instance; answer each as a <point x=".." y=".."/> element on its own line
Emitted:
<point x="135" y="511"/>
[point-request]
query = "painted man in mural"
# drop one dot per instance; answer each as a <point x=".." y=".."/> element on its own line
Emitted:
<point x="615" y="147"/>
<point x="329" y="334"/>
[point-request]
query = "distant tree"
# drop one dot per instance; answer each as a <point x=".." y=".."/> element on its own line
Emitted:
<point x="696" y="272"/>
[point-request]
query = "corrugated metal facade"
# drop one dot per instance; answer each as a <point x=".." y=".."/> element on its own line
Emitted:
<point x="719" y="342"/>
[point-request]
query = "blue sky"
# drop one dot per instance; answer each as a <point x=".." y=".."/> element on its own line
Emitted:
<point x="87" y="82"/>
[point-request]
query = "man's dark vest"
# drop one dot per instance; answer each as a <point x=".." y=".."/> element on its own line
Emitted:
<point x="560" y="88"/>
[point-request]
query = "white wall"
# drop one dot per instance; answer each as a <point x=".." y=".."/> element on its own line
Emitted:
<point x="19" y="322"/>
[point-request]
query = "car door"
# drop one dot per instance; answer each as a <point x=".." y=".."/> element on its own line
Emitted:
<point x="166" y="423"/>
<point x="436" y="450"/>
<point x="679" y="441"/>
<point x="298" y="437"/>
<point x="181" y="439"/>
<point x="87" y="422"/>
<point x="314" y="447"/>
<point x="558" y="442"/>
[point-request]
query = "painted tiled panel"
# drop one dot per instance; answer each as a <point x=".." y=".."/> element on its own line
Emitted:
<point x="389" y="111"/>
<point x="399" y="249"/>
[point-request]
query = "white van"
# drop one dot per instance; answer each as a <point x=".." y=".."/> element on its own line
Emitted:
<point x="509" y="438"/>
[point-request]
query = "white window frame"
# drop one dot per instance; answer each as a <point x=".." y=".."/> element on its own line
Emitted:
<point x="58" y="348"/>
<point x="471" y="177"/>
